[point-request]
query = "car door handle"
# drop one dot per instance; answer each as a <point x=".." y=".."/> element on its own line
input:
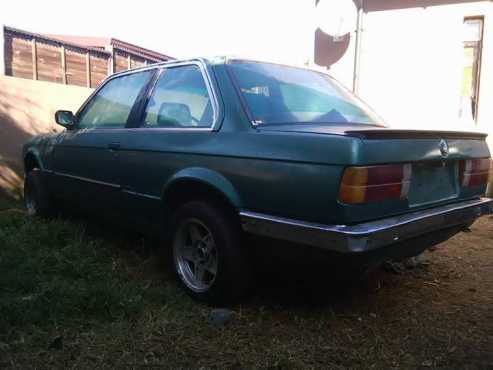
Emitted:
<point x="114" y="146"/>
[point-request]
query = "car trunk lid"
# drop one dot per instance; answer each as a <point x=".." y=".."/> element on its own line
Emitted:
<point x="435" y="157"/>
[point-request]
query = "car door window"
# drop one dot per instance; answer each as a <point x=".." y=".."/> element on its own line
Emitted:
<point x="111" y="106"/>
<point x="180" y="99"/>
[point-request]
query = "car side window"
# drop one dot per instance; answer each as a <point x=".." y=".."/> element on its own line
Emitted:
<point x="180" y="99"/>
<point x="111" y="106"/>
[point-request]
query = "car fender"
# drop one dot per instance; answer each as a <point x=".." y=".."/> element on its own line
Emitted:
<point x="207" y="177"/>
<point x="36" y="154"/>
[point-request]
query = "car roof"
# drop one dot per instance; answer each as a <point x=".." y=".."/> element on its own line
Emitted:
<point x="216" y="60"/>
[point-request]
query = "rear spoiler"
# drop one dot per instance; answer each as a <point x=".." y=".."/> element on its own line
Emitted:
<point x="375" y="134"/>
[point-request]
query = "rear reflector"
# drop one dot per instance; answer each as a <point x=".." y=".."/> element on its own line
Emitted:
<point x="475" y="172"/>
<point x="375" y="183"/>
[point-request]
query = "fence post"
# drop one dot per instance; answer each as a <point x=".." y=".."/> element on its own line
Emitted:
<point x="34" y="59"/>
<point x="64" y="65"/>
<point x="2" y="49"/>
<point x="88" y="70"/>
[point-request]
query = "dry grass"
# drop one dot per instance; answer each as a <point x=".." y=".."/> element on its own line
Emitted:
<point x="439" y="315"/>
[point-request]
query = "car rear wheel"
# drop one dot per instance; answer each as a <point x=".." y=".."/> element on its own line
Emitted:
<point x="208" y="259"/>
<point x="36" y="198"/>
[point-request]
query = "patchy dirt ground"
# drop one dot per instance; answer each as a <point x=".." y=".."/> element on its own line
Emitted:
<point x="438" y="315"/>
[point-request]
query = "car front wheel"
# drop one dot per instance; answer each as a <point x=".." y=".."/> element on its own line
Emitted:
<point x="209" y="261"/>
<point x="36" y="197"/>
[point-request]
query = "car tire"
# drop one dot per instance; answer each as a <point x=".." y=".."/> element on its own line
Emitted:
<point x="37" y="200"/>
<point x="209" y="261"/>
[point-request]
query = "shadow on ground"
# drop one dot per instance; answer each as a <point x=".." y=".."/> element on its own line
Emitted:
<point x="437" y="315"/>
<point x="296" y="280"/>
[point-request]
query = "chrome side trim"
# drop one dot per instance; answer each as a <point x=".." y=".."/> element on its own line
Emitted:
<point x="369" y="235"/>
<point x="116" y="186"/>
<point x="176" y="129"/>
<point x="85" y="179"/>
<point x="153" y="197"/>
<point x="170" y="63"/>
<point x="139" y="129"/>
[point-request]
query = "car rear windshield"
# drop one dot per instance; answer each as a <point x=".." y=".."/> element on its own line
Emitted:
<point x="276" y="94"/>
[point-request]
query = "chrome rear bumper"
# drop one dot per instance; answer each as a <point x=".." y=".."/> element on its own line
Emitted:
<point x="370" y="235"/>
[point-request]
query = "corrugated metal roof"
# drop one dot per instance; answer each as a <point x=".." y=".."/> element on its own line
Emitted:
<point x="94" y="44"/>
<point x="104" y="42"/>
<point x="135" y="49"/>
<point x="53" y="40"/>
<point x="87" y="41"/>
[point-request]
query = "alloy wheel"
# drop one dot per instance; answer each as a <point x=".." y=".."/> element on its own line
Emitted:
<point x="30" y="200"/>
<point x="195" y="255"/>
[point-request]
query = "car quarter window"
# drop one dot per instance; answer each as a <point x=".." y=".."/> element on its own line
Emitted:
<point x="180" y="99"/>
<point x="112" y="104"/>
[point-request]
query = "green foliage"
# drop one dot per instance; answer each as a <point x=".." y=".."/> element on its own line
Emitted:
<point x="52" y="272"/>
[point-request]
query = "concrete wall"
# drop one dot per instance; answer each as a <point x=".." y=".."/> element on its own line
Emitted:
<point x="27" y="108"/>
<point x="411" y="63"/>
<point x="411" y="66"/>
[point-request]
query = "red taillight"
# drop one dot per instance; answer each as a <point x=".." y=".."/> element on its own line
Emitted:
<point x="475" y="172"/>
<point x="375" y="183"/>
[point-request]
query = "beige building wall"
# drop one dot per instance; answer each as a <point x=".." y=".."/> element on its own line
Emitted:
<point x="27" y="108"/>
<point x="411" y="66"/>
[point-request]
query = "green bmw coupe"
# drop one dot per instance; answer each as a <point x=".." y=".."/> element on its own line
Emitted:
<point x="207" y="152"/>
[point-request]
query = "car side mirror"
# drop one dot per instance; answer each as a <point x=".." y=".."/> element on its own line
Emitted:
<point x="65" y="118"/>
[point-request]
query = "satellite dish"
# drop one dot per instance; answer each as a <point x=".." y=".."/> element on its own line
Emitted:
<point x="336" y="17"/>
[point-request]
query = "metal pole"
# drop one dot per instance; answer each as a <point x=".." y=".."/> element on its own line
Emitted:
<point x="2" y="49"/>
<point x="357" y="52"/>
<point x="111" y="60"/>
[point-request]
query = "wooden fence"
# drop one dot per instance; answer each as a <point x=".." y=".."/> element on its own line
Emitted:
<point x="37" y="57"/>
